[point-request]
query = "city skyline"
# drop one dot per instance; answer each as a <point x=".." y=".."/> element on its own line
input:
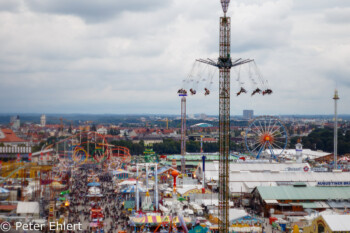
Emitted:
<point x="130" y="58"/>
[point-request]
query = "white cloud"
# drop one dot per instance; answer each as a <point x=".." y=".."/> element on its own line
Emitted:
<point x="108" y="57"/>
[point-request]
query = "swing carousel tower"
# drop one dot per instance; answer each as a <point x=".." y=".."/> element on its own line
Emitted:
<point x="224" y="63"/>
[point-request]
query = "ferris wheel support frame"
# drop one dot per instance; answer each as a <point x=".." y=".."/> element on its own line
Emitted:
<point x="263" y="130"/>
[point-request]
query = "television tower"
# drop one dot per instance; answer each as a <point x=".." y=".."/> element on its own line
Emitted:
<point x="224" y="63"/>
<point x="336" y="98"/>
<point x="183" y="131"/>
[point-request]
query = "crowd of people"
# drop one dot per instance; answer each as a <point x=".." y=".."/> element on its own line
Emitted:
<point x="112" y="218"/>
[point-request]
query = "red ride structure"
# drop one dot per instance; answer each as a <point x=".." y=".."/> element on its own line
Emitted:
<point x="90" y="147"/>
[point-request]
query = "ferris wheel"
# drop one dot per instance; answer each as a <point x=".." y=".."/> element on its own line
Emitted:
<point x="266" y="134"/>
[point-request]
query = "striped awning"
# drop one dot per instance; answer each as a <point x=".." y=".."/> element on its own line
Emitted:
<point x="156" y="219"/>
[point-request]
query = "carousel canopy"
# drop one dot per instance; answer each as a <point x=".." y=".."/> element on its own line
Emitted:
<point x="2" y="190"/>
<point x="120" y="171"/>
<point x="164" y="170"/>
<point x="245" y="229"/>
<point x="128" y="182"/>
<point x="132" y="189"/>
<point x="94" y="184"/>
<point x="156" y="219"/>
<point x="94" y="190"/>
<point x="4" y="194"/>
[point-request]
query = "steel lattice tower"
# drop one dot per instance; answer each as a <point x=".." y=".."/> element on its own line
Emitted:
<point x="224" y="63"/>
<point x="183" y="133"/>
<point x="224" y="122"/>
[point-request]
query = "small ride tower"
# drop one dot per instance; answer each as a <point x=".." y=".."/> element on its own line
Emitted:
<point x="183" y="130"/>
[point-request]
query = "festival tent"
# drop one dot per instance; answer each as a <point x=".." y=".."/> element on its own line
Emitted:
<point x="28" y="208"/>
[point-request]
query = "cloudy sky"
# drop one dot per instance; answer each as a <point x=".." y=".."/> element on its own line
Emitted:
<point x="118" y="56"/>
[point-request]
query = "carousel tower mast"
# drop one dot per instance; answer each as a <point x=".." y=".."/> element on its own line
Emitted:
<point x="224" y="64"/>
<point x="224" y="117"/>
<point x="183" y="132"/>
<point x="336" y="98"/>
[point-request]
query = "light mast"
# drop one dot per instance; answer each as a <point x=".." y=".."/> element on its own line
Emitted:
<point x="336" y="98"/>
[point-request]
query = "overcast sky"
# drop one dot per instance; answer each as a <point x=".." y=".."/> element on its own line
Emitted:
<point x="118" y="56"/>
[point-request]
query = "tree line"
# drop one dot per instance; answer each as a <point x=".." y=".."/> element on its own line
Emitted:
<point x="170" y="146"/>
<point x="322" y="139"/>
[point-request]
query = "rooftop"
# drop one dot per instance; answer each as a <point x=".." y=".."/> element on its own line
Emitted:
<point x="303" y="193"/>
<point x="337" y="222"/>
<point x="7" y="135"/>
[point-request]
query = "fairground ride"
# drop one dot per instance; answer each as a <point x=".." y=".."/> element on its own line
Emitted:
<point x="224" y="64"/>
<point x="266" y="133"/>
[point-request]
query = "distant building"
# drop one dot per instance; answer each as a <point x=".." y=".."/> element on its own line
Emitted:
<point x="203" y="116"/>
<point x="43" y="120"/>
<point x="102" y="130"/>
<point x="148" y="139"/>
<point x="190" y="116"/>
<point x="9" y="138"/>
<point x="210" y="140"/>
<point x="15" y="122"/>
<point x="248" y="114"/>
<point x="293" y="200"/>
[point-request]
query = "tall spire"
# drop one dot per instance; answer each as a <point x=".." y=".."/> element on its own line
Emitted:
<point x="336" y="98"/>
<point x="224" y="4"/>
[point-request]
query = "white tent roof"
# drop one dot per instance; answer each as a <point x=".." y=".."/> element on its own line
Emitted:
<point x="28" y="208"/>
<point x="186" y="188"/>
<point x="237" y="213"/>
<point x="313" y="154"/>
<point x="128" y="182"/>
<point x="247" y="181"/>
<point x="314" y="215"/>
<point x="338" y="222"/>
<point x="212" y="169"/>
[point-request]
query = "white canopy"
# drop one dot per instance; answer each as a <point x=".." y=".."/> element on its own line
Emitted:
<point x="28" y="208"/>
<point x="128" y="182"/>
